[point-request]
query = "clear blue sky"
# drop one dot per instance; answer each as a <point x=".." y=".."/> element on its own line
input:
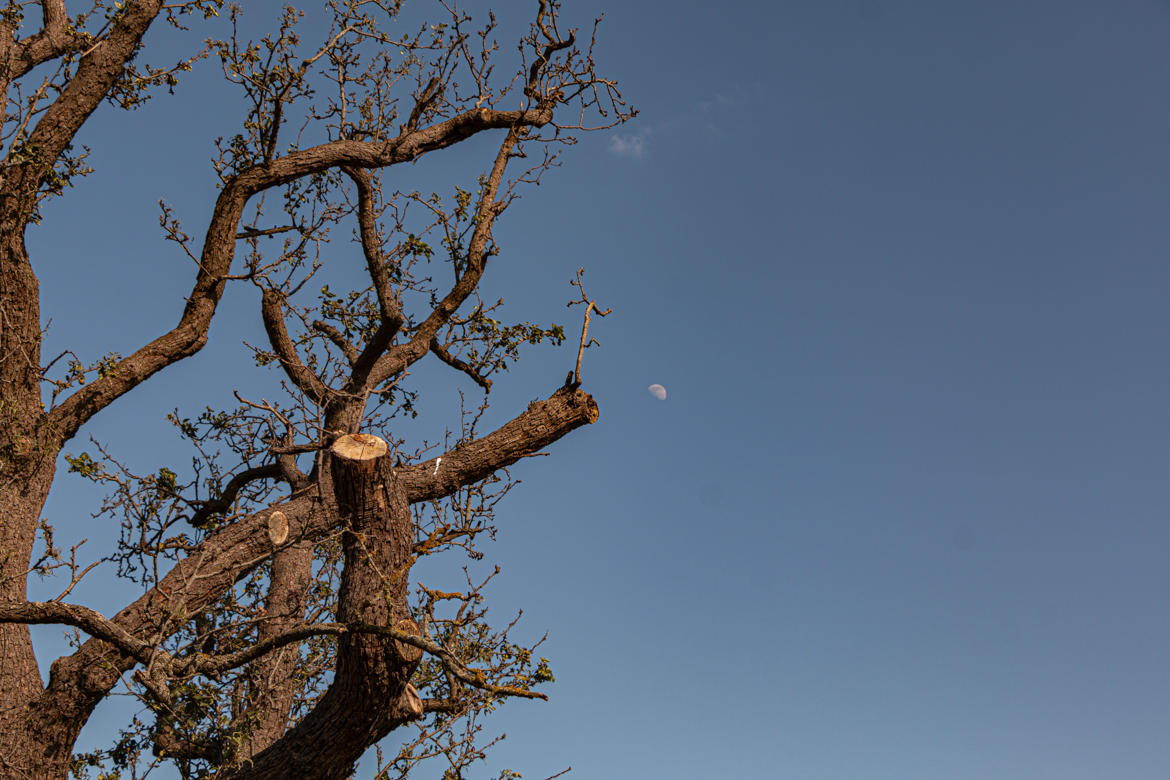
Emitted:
<point x="903" y="269"/>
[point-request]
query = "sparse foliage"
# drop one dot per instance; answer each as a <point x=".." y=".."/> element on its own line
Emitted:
<point x="280" y="631"/>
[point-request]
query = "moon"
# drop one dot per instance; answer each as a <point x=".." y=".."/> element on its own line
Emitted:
<point x="658" y="391"/>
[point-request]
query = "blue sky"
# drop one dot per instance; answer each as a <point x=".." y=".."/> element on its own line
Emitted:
<point x="902" y="268"/>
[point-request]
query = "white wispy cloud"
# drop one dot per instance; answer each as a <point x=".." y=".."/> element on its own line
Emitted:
<point x="630" y="145"/>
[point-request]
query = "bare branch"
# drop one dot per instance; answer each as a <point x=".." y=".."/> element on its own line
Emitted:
<point x="554" y="45"/>
<point x="456" y="363"/>
<point x="334" y="335"/>
<point x="189" y="336"/>
<point x="590" y="306"/>
<point x="478" y="251"/>
<point x="301" y="375"/>
<point x="257" y="232"/>
<point x="212" y="665"/>
<point x="227" y="498"/>
<point x="425" y="99"/>
<point x="371" y="246"/>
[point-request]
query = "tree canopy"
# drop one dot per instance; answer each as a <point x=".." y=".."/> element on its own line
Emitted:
<point x="279" y="630"/>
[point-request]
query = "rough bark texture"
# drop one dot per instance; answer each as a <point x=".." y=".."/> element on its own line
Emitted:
<point x="29" y="440"/>
<point x="371" y="670"/>
<point x="362" y="492"/>
<point x="271" y="687"/>
<point x="27" y="465"/>
<point x="53" y="718"/>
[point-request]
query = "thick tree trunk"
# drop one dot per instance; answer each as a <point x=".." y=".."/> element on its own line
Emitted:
<point x="27" y="463"/>
<point x="22" y="496"/>
<point x="370" y="694"/>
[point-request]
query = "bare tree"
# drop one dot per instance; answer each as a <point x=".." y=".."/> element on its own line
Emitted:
<point x="279" y="632"/>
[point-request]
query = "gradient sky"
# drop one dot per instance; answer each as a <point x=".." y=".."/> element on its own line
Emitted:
<point x="903" y="270"/>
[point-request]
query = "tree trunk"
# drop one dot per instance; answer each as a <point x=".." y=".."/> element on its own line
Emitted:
<point x="272" y="684"/>
<point x="22" y="496"/>
<point x="27" y="464"/>
<point x="370" y="694"/>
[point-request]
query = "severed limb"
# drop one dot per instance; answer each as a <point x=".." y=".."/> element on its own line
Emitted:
<point x="543" y="423"/>
<point x="370" y="690"/>
<point x="229" y="554"/>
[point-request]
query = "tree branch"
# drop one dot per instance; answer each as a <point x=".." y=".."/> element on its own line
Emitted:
<point x="540" y="425"/>
<point x="168" y="744"/>
<point x="88" y="620"/>
<point x="228" y="496"/>
<point x="185" y="339"/>
<point x="398" y="359"/>
<point x="432" y="90"/>
<point x="212" y="665"/>
<point x="441" y="352"/>
<point x="371" y="246"/>
<point x="189" y="336"/>
<point x="97" y="72"/>
<point x="100" y="627"/>
<point x="590" y="306"/>
<point x="334" y="335"/>
<point x="272" y="681"/>
<point x="51" y="41"/>
<point x="257" y="232"/>
<point x="448" y="706"/>
<point x="300" y="374"/>
<point x="388" y="304"/>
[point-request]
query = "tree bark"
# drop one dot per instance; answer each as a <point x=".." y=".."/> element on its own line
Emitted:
<point x="27" y="465"/>
<point x="22" y="496"/>
<point x="272" y="683"/>
<point x="44" y="729"/>
<point x="356" y="487"/>
<point x="370" y="694"/>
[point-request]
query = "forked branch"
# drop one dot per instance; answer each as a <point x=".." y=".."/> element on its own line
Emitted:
<point x="272" y="312"/>
<point x="189" y="336"/>
<point x="590" y="306"/>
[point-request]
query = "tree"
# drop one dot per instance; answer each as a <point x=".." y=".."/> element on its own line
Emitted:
<point x="278" y="632"/>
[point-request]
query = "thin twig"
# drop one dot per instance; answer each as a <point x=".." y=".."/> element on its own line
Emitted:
<point x="590" y="306"/>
